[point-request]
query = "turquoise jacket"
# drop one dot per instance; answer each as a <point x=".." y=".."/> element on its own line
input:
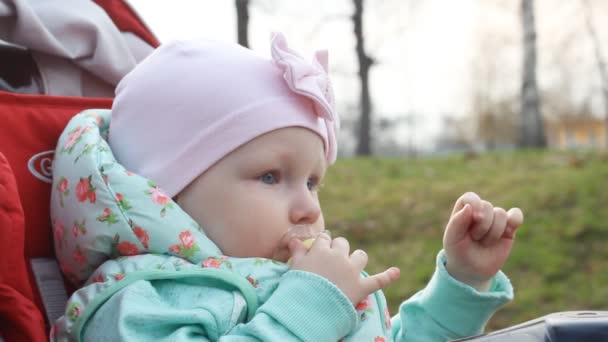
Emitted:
<point x="148" y="272"/>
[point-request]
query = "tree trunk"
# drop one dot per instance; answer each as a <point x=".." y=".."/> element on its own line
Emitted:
<point x="601" y="65"/>
<point x="365" y="62"/>
<point x="532" y="133"/>
<point x="242" y="22"/>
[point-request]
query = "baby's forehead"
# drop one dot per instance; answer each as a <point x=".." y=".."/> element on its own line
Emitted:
<point x="286" y="144"/>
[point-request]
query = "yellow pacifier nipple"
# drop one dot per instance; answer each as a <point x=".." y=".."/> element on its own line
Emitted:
<point x="308" y="243"/>
<point x="304" y="233"/>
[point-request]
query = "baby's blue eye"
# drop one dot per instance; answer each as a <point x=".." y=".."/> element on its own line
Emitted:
<point x="268" y="178"/>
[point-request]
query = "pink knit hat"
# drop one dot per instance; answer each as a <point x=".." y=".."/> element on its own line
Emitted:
<point x="190" y="103"/>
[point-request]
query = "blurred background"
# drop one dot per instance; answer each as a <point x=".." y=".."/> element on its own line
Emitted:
<point x="507" y="98"/>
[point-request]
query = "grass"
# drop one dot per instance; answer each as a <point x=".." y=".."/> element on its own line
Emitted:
<point x="397" y="209"/>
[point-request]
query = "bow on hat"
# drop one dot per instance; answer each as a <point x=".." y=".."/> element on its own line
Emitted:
<point x="310" y="80"/>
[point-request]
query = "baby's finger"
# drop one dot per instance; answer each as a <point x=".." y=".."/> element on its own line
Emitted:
<point x="341" y="244"/>
<point x="483" y="219"/>
<point x="381" y="280"/>
<point x="458" y="226"/>
<point x="497" y="229"/>
<point x="515" y="218"/>
<point x="322" y="241"/>
<point x="296" y="249"/>
<point x="359" y="259"/>
<point x="470" y="198"/>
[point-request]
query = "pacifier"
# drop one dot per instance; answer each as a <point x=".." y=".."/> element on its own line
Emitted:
<point x="305" y="233"/>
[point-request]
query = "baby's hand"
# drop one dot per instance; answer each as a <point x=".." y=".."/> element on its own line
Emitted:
<point x="330" y="259"/>
<point x="478" y="239"/>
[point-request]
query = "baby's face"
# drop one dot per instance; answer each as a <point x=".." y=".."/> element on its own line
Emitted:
<point x="247" y="201"/>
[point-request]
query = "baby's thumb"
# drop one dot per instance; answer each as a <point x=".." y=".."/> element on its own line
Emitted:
<point x="297" y="249"/>
<point x="458" y="226"/>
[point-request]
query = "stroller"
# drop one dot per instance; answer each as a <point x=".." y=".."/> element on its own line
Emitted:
<point x="43" y="83"/>
<point x="55" y="61"/>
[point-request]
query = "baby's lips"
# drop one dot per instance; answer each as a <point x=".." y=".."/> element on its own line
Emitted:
<point x="300" y="232"/>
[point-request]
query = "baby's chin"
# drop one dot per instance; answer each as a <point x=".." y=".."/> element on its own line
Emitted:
<point x="280" y="253"/>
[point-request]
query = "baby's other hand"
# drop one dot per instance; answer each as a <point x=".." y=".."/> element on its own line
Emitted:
<point x="478" y="239"/>
<point x="330" y="259"/>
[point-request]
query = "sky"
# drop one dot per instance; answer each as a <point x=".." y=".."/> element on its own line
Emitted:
<point x="426" y="50"/>
<point x="411" y="76"/>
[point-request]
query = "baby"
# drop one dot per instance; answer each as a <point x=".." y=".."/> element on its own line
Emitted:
<point x="238" y="144"/>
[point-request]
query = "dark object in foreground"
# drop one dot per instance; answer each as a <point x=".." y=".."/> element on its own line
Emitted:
<point x="568" y="326"/>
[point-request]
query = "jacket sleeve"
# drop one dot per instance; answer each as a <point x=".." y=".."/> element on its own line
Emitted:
<point x="448" y="309"/>
<point x="304" y="307"/>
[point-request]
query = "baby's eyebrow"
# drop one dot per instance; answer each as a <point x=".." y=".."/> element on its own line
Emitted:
<point x="283" y="155"/>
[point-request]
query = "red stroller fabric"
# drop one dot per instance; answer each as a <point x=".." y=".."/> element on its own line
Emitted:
<point x="20" y="319"/>
<point x="29" y="128"/>
<point x="31" y="125"/>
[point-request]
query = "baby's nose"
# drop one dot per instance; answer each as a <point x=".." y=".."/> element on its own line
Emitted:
<point x="305" y="210"/>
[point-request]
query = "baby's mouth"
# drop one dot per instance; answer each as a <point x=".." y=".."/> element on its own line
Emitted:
<point x="300" y="232"/>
